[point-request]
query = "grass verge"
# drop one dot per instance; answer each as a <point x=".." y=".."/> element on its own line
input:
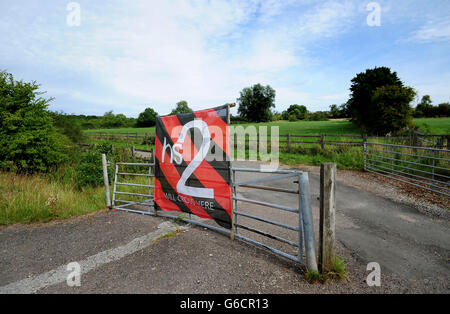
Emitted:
<point x="28" y="199"/>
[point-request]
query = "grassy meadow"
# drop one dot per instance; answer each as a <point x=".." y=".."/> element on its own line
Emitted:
<point x="338" y="126"/>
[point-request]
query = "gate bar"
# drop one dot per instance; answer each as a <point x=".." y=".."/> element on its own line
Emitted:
<point x="134" y="184"/>
<point x="284" y="176"/>
<point x="292" y="210"/>
<point x="268" y="188"/>
<point x="261" y="245"/>
<point x="268" y="235"/>
<point x="136" y="174"/>
<point x="281" y="171"/>
<point x="135" y="194"/>
<point x="135" y="164"/>
<point x="267" y="221"/>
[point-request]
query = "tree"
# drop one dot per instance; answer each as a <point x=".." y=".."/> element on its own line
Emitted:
<point x="29" y="142"/>
<point x="335" y="112"/>
<point x="255" y="103"/>
<point x="181" y="107"/>
<point x="365" y="111"/>
<point x="295" y="112"/>
<point x="147" y="118"/>
<point x="393" y="110"/>
<point x="343" y="110"/>
<point x="111" y="120"/>
<point x="443" y="110"/>
<point x="424" y="108"/>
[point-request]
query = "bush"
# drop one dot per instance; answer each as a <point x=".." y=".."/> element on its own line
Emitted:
<point x="299" y="112"/>
<point x="317" y="116"/>
<point x="29" y="142"/>
<point x="89" y="171"/>
<point x="68" y="126"/>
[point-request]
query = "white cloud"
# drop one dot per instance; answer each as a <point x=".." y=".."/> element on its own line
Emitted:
<point x="130" y="54"/>
<point x="432" y="32"/>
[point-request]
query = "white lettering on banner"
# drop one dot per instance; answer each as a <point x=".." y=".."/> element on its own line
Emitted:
<point x="196" y="161"/>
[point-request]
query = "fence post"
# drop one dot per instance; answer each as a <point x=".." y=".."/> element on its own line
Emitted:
<point x="106" y="181"/>
<point x="308" y="226"/>
<point x="415" y="142"/>
<point x="289" y="142"/>
<point x="365" y="151"/>
<point x="322" y="141"/>
<point x="132" y="151"/>
<point x="327" y="215"/>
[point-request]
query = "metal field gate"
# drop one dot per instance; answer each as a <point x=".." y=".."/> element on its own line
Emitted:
<point x="422" y="167"/>
<point x="191" y="174"/>
<point x="141" y="200"/>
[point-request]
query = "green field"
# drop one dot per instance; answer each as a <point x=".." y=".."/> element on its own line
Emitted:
<point x="434" y="125"/>
<point x="429" y="125"/>
<point x="298" y="127"/>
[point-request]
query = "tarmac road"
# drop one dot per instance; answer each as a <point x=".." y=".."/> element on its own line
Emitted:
<point x="403" y="241"/>
<point x="131" y="253"/>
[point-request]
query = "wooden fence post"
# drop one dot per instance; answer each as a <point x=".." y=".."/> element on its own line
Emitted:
<point x="132" y="151"/>
<point x="322" y="141"/>
<point x="327" y="215"/>
<point x="289" y="142"/>
<point x="364" y="137"/>
<point x="106" y="181"/>
<point x="415" y="142"/>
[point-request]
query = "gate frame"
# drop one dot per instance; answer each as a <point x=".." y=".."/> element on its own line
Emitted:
<point x="305" y="227"/>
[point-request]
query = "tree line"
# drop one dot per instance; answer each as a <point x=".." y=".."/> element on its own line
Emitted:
<point x="32" y="138"/>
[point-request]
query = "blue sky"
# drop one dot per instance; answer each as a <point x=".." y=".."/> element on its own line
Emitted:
<point x="128" y="55"/>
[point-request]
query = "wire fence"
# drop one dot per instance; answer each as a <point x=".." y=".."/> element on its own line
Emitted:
<point x="421" y="160"/>
<point x="288" y="141"/>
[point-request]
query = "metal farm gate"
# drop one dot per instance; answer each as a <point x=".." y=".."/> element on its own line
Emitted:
<point x="139" y="198"/>
<point x="423" y="167"/>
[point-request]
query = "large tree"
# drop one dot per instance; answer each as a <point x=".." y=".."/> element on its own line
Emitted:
<point x="366" y="110"/>
<point x="147" y="118"/>
<point x="181" y="107"/>
<point x="393" y="109"/>
<point x="255" y="103"/>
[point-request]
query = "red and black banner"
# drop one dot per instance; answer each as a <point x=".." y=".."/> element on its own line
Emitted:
<point x="192" y="171"/>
